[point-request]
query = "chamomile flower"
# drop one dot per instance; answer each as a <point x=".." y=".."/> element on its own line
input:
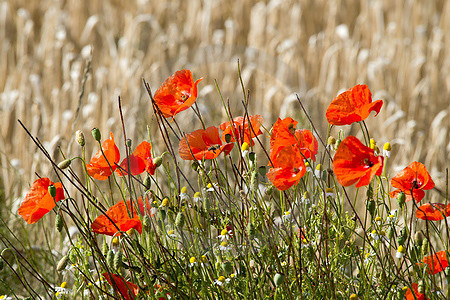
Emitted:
<point x="308" y="167"/>
<point x="197" y="197"/>
<point x="192" y="261"/>
<point x="329" y="192"/>
<point x="224" y="246"/>
<point x="5" y="297"/>
<point x="244" y="149"/>
<point x="210" y="187"/>
<point x="387" y="149"/>
<point x="287" y="216"/>
<point x="183" y="193"/>
<point x="221" y="281"/>
<point x="318" y="171"/>
<point x="224" y="234"/>
<point x="378" y="220"/>
<point x="400" y="251"/>
<point x="392" y="217"/>
<point x="171" y="233"/>
<point x="61" y="290"/>
<point x="164" y="203"/>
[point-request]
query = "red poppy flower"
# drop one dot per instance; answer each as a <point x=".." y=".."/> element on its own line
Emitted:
<point x="354" y="162"/>
<point x="126" y="289"/>
<point x="38" y="200"/>
<point x="285" y="154"/>
<point x="433" y="211"/>
<point x="118" y="213"/>
<point x="436" y="262"/>
<point x="203" y="144"/>
<point x="353" y="105"/>
<point x="102" y="164"/>
<point x="239" y="129"/>
<point x="414" y="294"/>
<point x="412" y="181"/>
<point x="177" y="93"/>
<point x="140" y="160"/>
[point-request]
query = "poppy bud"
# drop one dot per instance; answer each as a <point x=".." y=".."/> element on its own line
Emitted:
<point x="251" y="230"/>
<point x="278" y="279"/>
<point x="227" y="267"/>
<point x="62" y="263"/>
<point x="179" y="220"/>
<point x="64" y="164"/>
<point x="105" y="248"/>
<point x="254" y="181"/>
<point x="425" y="247"/>
<point x="418" y="238"/>
<point x="252" y="156"/>
<point x="129" y="143"/>
<point x="147" y="182"/>
<point x="96" y="134"/>
<point x="331" y="141"/>
<point x="79" y="136"/>
<point x="158" y="161"/>
<point x="371" y="207"/>
<point x="227" y="137"/>
<point x="421" y="287"/>
<point x="59" y="223"/>
<point x="117" y="262"/>
<point x="369" y="192"/>
<point x="401" y="199"/>
<point x="195" y="166"/>
<point x="391" y="232"/>
<point x="110" y="258"/>
<point x="73" y="256"/>
<point x="52" y="190"/>
<point x="403" y="236"/>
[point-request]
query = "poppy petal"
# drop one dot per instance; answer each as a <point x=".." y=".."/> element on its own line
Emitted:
<point x="126" y="289"/>
<point x="38" y="200"/>
<point x="284" y="178"/>
<point x="433" y="211"/>
<point x="436" y="262"/>
<point x="240" y="129"/>
<point x="414" y="294"/>
<point x="415" y="178"/>
<point x="140" y="160"/>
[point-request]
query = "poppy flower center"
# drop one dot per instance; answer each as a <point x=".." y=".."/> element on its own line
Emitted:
<point x="213" y="148"/>
<point x="185" y="96"/>
<point x="415" y="184"/>
<point x="368" y="162"/>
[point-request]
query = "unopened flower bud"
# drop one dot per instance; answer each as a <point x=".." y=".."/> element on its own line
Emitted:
<point x="96" y="134"/>
<point x="79" y="136"/>
<point x="401" y="239"/>
<point x="105" y="248"/>
<point x="387" y="149"/>
<point x="418" y="238"/>
<point x="158" y="161"/>
<point x="353" y="297"/>
<point x="64" y="164"/>
<point x="62" y="263"/>
<point x="227" y="267"/>
<point x="278" y="279"/>
<point x="147" y="182"/>
<point x="179" y="220"/>
<point x="115" y="241"/>
<point x="252" y="156"/>
<point x="52" y="190"/>
<point x="129" y="143"/>
<point x="165" y="202"/>
<point x="331" y="141"/>
<point x="401" y="199"/>
<point x="59" y="223"/>
<point x="110" y="258"/>
<point x="425" y="247"/>
<point x="371" y="207"/>
<point x="195" y="166"/>
<point x="228" y="138"/>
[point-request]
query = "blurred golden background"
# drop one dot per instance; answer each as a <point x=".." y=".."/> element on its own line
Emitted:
<point x="315" y="49"/>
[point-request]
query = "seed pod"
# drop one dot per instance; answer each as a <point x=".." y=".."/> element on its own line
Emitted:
<point x="64" y="164"/>
<point x="62" y="263"/>
<point x="110" y="258"/>
<point x="105" y="248"/>
<point x="278" y="279"/>
<point x="227" y="267"/>
<point x="227" y="138"/>
<point x="418" y="238"/>
<point x="52" y="190"/>
<point x="252" y="156"/>
<point x="425" y="247"/>
<point x="117" y="262"/>
<point x="371" y="207"/>
<point x="79" y="136"/>
<point x="179" y="220"/>
<point x="96" y="134"/>
<point x="59" y="223"/>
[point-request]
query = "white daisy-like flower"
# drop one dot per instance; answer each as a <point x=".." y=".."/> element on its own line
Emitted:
<point x="368" y="257"/>
<point x="197" y="197"/>
<point x="245" y="149"/>
<point x="305" y="198"/>
<point x="224" y="234"/>
<point x="171" y="233"/>
<point x="308" y="167"/>
<point x="287" y="216"/>
<point x="318" y="171"/>
<point x="224" y="246"/>
<point x="387" y="149"/>
<point x="329" y="192"/>
<point x="378" y="220"/>
<point x="211" y="187"/>
<point x="220" y="281"/>
<point x="400" y="252"/>
<point x="5" y="297"/>
<point x="392" y="217"/>
<point x="183" y="193"/>
<point x="61" y="290"/>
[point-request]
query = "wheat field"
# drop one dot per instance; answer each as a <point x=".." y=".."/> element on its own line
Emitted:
<point x="63" y="65"/>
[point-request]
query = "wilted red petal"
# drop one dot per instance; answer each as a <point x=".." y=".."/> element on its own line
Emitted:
<point x="203" y="144"/>
<point x="241" y="130"/>
<point x="353" y="105"/>
<point x="409" y="295"/>
<point x="354" y="162"/>
<point x="125" y="289"/>
<point x="436" y="262"/>
<point x="38" y="200"/>
<point x="433" y="211"/>
<point x="177" y="93"/>
<point x="415" y="178"/>
<point x="118" y="213"/>
<point x="140" y="160"/>
<point x="102" y="164"/>
<point x="308" y="143"/>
